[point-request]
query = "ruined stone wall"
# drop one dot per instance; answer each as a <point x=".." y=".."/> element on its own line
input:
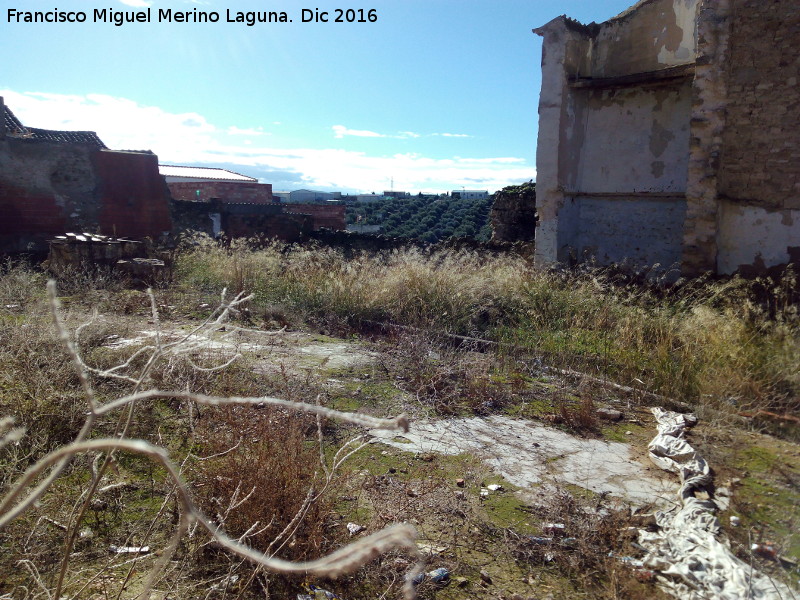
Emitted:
<point x="243" y="220"/>
<point x="757" y="155"/>
<point x="614" y="135"/>
<point x="284" y="227"/>
<point x="513" y="215"/>
<point x="51" y="188"/>
<point x="669" y="134"/>
<point x="192" y="217"/>
<point x="226" y="191"/>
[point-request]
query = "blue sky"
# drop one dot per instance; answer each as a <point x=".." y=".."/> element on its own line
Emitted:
<point x="434" y="95"/>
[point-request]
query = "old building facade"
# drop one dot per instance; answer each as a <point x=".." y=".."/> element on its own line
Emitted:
<point x="57" y="181"/>
<point x="668" y="135"/>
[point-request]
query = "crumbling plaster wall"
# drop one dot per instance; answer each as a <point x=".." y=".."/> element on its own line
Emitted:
<point x="634" y="139"/>
<point x="752" y="239"/>
<point x="669" y="134"/>
<point x="612" y="153"/>
<point x="651" y="35"/>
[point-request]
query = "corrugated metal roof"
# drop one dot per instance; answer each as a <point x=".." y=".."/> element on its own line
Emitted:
<point x="203" y="173"/>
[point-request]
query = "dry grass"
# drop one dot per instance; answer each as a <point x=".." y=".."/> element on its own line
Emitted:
<point x="592" y="547"/>
<point x="724" y="346"/>
<point x="90" y="454"/>
<point x="730" y="343"/>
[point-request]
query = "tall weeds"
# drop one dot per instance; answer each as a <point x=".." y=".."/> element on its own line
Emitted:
<point x="731" y="342"/>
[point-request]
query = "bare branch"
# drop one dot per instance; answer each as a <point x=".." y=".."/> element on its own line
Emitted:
<point x="400" y="422"/>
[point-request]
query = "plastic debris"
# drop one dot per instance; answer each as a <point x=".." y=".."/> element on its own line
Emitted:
<point x="766" y="550"/>
<point x="637" y="563"/>
<point x="494" y="487"/>
<point x="317" y="593"/>
<point x="689" y="560"/>
<point x="735" y="521"/>
<point x="130" y="549"/>
<point x="354" y="528"/>
<point x="225" y="583"/>
<point x="554" y="528"/>
<point x="540" y="541"/>
<point x="440" y="577"/>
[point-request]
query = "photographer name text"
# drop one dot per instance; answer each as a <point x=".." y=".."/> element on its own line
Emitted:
<point x="118" y="18"/>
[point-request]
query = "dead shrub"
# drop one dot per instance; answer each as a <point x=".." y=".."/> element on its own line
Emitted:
<point x="450" y="380"/>
<point x="260" y="469"/>
<point x="578" y="414"/>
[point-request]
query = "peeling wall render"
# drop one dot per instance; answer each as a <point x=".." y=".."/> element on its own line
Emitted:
<point x="668" y="135"/>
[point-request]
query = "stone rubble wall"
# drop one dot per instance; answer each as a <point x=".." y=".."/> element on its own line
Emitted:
<point x="760" y="164"/>
<point x="48" y="188"/>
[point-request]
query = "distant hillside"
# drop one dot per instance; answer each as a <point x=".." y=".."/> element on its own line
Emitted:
<point x="428" y="218"/>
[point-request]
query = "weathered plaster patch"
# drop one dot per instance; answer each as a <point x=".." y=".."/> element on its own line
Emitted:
<point x="755" y="238"/>
<point x="657" y="168"/>
<point x="677" y="44"/>
<point x="671" y="34"/>
<point x="660" y="137"/>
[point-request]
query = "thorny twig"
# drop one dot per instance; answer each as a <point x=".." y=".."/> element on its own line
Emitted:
<point x="344" y="560"/>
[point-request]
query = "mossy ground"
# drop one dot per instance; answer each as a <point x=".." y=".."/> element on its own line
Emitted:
<point x="584" y="323"/>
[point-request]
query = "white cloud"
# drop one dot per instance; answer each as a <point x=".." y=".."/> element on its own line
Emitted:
<point x="136" y="3"/>
<point x="189" y="138"/>
<point x="493" y="161"/>
<point x="341" y="131"/>
<point x="233" y="130"/>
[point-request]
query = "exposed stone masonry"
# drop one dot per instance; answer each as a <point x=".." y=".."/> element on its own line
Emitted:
<point x="669" y="135"/>
<point x="762" y="146"/>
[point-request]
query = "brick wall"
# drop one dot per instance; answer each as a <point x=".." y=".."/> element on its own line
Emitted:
<point x="761" y="155"/>
<point x="133" y="197"/>
<point x="226" y="191"/>
<point x="50" y="188"/>
<point x="329" y="216"/>
<point x="27" y="219"/>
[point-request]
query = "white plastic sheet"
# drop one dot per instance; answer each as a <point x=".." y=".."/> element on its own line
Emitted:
<point x="692" y="560"/>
